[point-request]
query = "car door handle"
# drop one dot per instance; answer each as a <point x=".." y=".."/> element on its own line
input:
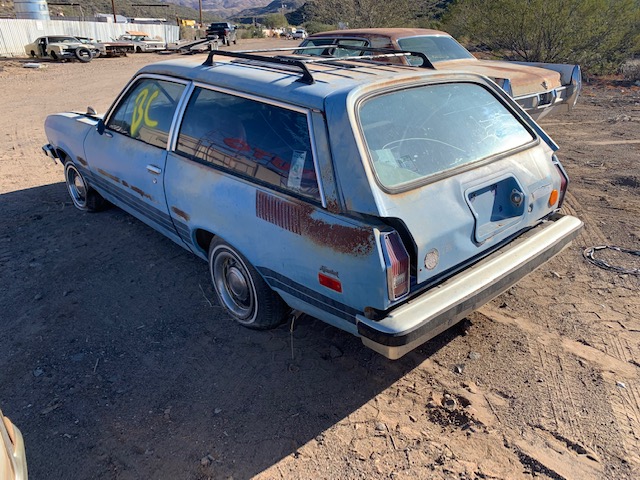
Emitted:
<point x="153" y="169"/>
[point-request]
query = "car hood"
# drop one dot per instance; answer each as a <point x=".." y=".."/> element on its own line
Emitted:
<point x="524" y="79"/>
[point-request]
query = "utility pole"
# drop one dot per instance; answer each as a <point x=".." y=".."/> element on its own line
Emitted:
<point x="113" y="6"/>
<point x="200" y="11"/>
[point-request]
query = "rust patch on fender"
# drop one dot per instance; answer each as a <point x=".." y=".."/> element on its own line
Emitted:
<point x="180" y="213"/>
<point x="108" y="175"/>
<point x="125" y="183"/>
<point x="358" y="241"/>
<point x="82" y="161"/>
<point x="140" y="192"/>
<point x="299" y="219"/>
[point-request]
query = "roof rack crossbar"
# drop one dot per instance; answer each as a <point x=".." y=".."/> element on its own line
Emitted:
<point x="284" y="62"/>
<point x="426" y="63"/>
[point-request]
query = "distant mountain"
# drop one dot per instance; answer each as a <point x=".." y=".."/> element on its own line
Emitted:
<point x="276" y="6"/>
<point x="223" y="8"/>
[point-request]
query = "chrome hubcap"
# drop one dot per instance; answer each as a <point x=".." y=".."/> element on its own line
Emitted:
<point x="77" y="187"/>
<point x="234" y="285"/>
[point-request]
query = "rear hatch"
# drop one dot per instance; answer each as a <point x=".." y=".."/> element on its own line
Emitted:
<point x="457" y="172"/>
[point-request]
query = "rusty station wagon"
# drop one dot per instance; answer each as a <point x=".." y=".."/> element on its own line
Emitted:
<point x="385" y="200"/>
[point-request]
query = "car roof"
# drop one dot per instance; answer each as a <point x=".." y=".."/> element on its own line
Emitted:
<point x="330" y="76"/>
<point x="393" y="33"/>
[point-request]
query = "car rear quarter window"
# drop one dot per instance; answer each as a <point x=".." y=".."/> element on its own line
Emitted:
<point x="264" y="142"/>
<point x="419" y="132"/>
<point x="146" y="111"/>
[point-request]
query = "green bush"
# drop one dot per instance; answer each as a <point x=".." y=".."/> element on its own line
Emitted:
<point x="598" y="34"/>
<point x="250" y="32"/>
<point x="316" y="27"/>
<point x="631" y="70"/>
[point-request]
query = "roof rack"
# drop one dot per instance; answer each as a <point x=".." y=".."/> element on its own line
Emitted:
<point x="289" y="64"/>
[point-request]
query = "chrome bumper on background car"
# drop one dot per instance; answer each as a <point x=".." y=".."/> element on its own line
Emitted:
<point x="431" y="313"/>
<point x="50" y="152"/>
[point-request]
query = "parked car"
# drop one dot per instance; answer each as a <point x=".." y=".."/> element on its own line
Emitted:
<point x="13" y="461"/>
<point x="142" y="42"/>
<point x="299" y="34"/>
<point x="539" y="88"/>
<point x="385" y="200"/>
<point x="60" y="47"/>
<point x="222" y="31"/>
<point x="110" y="49"/>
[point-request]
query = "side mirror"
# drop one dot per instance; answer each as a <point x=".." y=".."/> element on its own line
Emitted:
<point x="100" y="127"/>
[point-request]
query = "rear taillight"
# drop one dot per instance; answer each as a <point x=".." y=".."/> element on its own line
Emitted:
<point x="396" y="260"/>
<point x="564" y="180"/>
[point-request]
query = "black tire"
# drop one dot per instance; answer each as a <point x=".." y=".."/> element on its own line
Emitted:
<point x="83" y="54"/>
<point x="242" y="291"/>
<point x="54" y="55"/>
<point x="82" y="195"/>
<point x="138" y="49"/>
<point x="33" y="54"/>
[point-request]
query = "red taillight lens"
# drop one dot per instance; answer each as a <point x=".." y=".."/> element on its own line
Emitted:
<point x="564" y="180"/>
<point x="397" y="263"/>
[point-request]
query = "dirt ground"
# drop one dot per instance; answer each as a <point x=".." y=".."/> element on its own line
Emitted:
<point x="116" y="362"/>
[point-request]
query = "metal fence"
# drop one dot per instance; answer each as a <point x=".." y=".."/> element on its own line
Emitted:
<point x="16" y="33"/>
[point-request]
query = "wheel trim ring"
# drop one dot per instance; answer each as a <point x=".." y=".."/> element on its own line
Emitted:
<point x="77" y="187"/>
<point x="230" y="277"/>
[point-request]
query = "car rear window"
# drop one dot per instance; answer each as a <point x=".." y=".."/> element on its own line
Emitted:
<point x="419" y="132"/>
<point x="437" y="48"/>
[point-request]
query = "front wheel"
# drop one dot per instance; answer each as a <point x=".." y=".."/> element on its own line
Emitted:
<point x="83" y="54"/>
<point x="242" y="291"/>
<point x="83" y="196"/>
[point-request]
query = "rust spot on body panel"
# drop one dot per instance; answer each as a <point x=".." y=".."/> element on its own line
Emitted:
<point x="140" y="192"/>
<point x="108" y="175"/>
<point x="351" y="240"/>
<point x="82" y="161"/>
<point x="180" y="213"/>
<point x="309" y="222"/>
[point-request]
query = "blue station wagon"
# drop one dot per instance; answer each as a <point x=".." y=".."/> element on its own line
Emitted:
<point x="385" y="200"/>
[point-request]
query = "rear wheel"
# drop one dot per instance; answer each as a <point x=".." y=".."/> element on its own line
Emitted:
<point x="83" y="54"/>
<point x="54" y="55"/>
<point x="242" y="291"/>
<point x="83" y="196"/>
<point x="33" y="54"/>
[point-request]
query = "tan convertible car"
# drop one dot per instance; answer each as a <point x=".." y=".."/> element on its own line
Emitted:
<point x="539" y="88"/>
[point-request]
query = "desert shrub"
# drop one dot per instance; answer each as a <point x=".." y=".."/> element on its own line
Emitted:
<point x="250" y="32"/>
<point x="598" y="34"/>
<point x="315" y="27"/>
<point x="631" y="70"/>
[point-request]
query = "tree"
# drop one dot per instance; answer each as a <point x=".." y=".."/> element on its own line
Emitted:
<point x="275" y="20"/>
<point x="364" y="13"/>
<point x="598" y="34"/>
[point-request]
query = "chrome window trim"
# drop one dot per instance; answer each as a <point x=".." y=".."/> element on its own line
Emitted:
<point x="173" y="139"/>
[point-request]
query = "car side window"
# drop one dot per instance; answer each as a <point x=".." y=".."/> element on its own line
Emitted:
<point x="268" y="143"/>
<point x="146" y="112"/>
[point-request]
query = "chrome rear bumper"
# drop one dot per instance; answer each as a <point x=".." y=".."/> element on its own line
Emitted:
<point x="422" y="318"/>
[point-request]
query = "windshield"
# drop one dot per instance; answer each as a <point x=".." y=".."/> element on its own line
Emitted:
<point x="437" y="48"/>
<point x="418" y="132"/>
